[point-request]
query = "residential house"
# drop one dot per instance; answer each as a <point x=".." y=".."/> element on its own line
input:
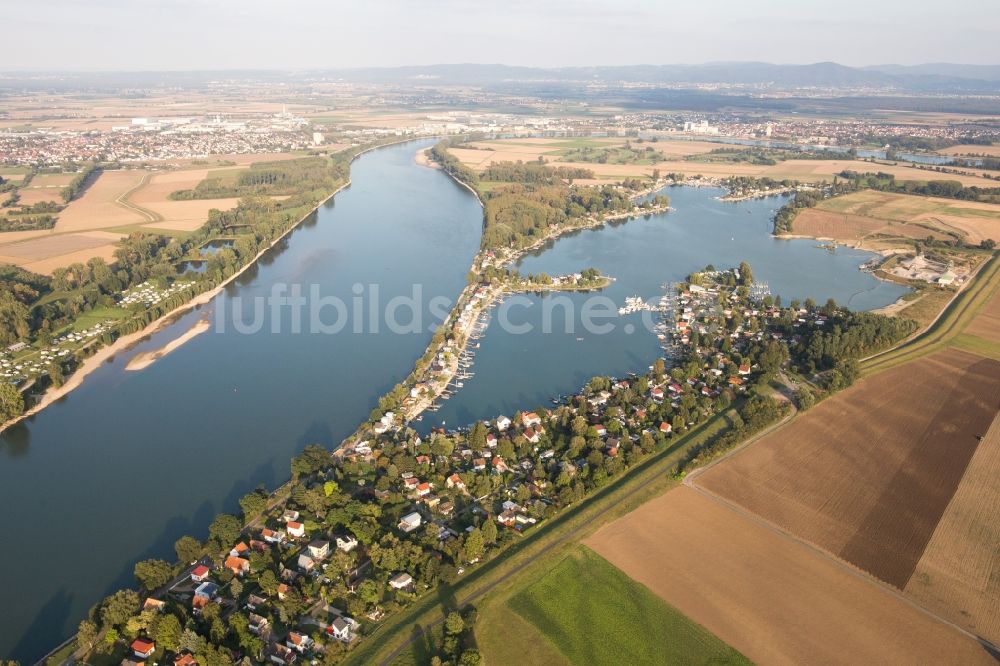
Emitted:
<point x="289" y="514"/>
<point x="296" y="529"/>
<point x="318" y="549"/>
<point x="529" y="419"/>
<point x="207" y="590"/>
<point x="346" y="543"/>
<point x="298" y="642"/>
<point x="272" y="536"/>
<point x="401" y="581"/>
<point x="306" y="563"/>
<point x="455" y="481"/>
<point x="502" y="423"/>
<point x="153" y="604"/>
<point x="282" y="655"/>
<point x="143" y="648"/>
<point x="258" y="624"/>
<point x="665" y="428"/>
<point x="237" y="565"/>
<point x="200" y="573"/>
<point x="410" y="522"/>
<point x="339" y="630"/>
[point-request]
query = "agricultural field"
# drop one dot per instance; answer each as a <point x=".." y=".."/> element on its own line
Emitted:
<point x="115" y="204"/>
<point x="871" y="490"/>
<point x="479" y="155"/>
<point x="959" y="574"/>
<point x="773" y="599"/>
<point x="595" y="614"/>
<point x="973" y="220"/>
<point x="967" y="149"/>
<point x="986" y="323"/>
<point x="170" y="215"/>
<point x="858" y="230"/>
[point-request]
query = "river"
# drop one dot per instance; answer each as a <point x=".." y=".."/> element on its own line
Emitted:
<point x="130" y="461"/>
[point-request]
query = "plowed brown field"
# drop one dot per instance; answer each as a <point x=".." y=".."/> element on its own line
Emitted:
<point x="775" y="600"/>
<point x="959" y="573"/>
<point x="868" y="474"/>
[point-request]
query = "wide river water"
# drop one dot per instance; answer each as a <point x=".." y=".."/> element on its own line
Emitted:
<point x="130" y="461"/>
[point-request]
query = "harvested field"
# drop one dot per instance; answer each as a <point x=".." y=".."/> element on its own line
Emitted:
<point x="153" y="196"/>
<point x="965" y="149"/>
<point x="45" y="253"/>
<point x="959" y="573"/>
<point x="975" y="220"/>
<point x="55" y="180"/>
<point x="986" y="324"/>
<point x="775" y="600"/>
<point x="29" y="196"/>
<point x="98" y="207"/>
<point x="856" y="229"/>
<point x="867" y="474"/>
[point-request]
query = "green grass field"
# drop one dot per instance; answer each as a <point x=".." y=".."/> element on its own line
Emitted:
<point x="595" y="614"/>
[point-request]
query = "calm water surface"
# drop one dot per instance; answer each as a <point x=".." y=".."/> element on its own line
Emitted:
<point x="516" y="371"/>
<point x="130" y="461"/>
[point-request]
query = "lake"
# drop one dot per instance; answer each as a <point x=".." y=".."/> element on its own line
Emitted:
<point x="515" y="371"/>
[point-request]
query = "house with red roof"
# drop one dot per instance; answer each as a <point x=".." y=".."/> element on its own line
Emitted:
<point x="200" y="573"/>
<point x="143" y="647"/>
<point x="296" y="529"/>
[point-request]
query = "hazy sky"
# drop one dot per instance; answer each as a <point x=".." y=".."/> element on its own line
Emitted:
<point x="290" y="34"/>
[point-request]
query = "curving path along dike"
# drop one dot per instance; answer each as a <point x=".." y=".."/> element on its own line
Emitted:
<point x="130" y="461"/>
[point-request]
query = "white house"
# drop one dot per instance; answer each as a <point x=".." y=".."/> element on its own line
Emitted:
<point x="502" y="423"/>
<point x="410" y="522"/>
<point x="318" y="550"/>
<point x="347" y="543"/>
<point x="401" y="581"/>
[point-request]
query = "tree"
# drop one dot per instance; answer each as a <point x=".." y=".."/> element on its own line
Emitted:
<point x="188" y="549"/>
<point x="11" y="402"/>
<point x="119" y="607"/>
<point x="746" y="275"/>
<point x="268" y="582"/>
<point x="225" y="529"/>
<point x="474" y="545"/>
<point x="489" y="531"/>
<point x="253" y="504"/>
<point x="369" y="592"/>
<point x="190" y="641"/>
<point x="86" y="634"/>
<point x="153" y="574"/>
<point x="168" y="632"/>
<point x="454" y="624"/>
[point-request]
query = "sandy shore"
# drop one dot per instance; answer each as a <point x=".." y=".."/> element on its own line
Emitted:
<point x="421" y="158"/>
<point x="146" y="359"/>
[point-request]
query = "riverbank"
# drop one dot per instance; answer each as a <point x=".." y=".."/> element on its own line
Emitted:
<point x="126" y="342"/>
<point x="146" y="359"/>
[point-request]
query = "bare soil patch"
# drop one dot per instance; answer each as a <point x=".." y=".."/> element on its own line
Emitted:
<point x="987" y="322"/>
<point x="97" y="208"/>
<point x="867" y="474"/>
<point x="775" y="600"/>
<point x="959" y="573"/>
